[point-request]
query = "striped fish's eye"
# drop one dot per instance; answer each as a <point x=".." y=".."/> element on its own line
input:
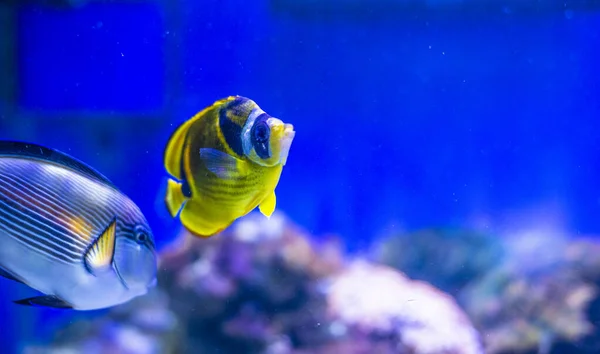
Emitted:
<point x="141" y="236"/>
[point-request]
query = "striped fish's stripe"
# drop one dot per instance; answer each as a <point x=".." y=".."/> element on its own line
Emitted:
<point x="22" y="234"/>
<point x="40" y="210"/>
<point x="50" y="202"/>
<point x="37" y="225"/>
<point x="73" y="207"/>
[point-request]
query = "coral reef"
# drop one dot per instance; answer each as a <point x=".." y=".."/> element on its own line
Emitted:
<point x="143" y="326"/>
<point x="536" y="293"/>
<point x="424" y="320"/>
<point x="540" y="299"/>
<point x="265" y="286"/>
<point x="446" y="258"/>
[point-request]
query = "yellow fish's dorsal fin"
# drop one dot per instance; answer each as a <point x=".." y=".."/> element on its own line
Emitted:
<point x="99" y="255"/>
<point x="174" y="149"/>
<point x="222" y="164"/>
<point x="267" y="206"/>
<point x="174" y="197"/>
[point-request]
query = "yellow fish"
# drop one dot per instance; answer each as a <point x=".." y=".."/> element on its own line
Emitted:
<point x="224" y="162"/>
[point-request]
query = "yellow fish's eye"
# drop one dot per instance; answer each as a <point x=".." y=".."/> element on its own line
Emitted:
<point x="260" y="137"/>
<point x="261" y="132"/>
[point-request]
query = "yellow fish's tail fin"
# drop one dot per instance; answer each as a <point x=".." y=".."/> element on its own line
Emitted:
<point x="267" y="206"/>
<point x="174" y="197"/>
<point x="201" y="222"/>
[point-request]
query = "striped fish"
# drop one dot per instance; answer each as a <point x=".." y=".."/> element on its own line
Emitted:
<point x="69" y="233"/>
<point x="224" y="162"/>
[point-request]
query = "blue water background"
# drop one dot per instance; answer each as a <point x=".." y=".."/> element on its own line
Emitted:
<point x="405" y="117"/>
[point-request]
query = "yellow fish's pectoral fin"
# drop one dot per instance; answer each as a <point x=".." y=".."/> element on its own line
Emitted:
<point x="99" y="255"/>
<point x="174" y="198"/>
<point x="222" y="164"/>
<point x="267" y="206"/>
<point x="195" y="220"/>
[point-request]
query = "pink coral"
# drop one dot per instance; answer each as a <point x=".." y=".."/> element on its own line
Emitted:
<point x="378" y="298"/>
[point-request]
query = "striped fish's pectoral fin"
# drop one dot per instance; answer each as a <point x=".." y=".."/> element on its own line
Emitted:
<point x="45" y="301"/>
<point x="193" y="219"/>
<point x="99" y="255"/>
<point x="267" y="206"/>
<point x="174" y="197"/>
<point x="222" y="164"/>
<point x="8" y="275"/>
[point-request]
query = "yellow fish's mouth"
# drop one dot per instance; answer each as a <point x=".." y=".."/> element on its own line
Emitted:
<point x="286" y="142"/>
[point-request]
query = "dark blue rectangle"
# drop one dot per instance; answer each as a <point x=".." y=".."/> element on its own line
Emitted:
<point x="102" y="56"/>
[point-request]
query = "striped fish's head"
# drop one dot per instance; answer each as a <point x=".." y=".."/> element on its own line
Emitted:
<point x="135" y="258"/>
<point x="267" y="140"/>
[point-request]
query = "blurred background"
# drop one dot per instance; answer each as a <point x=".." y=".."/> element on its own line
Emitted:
<point x="410" y="114"/>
